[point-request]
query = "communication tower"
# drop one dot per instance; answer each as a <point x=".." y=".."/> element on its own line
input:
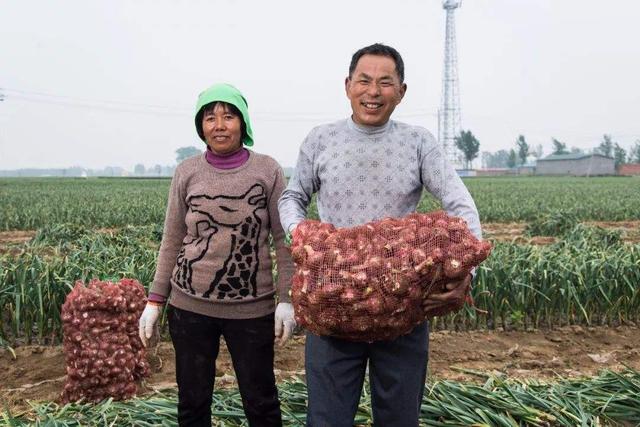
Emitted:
<point x="449" y="113"/>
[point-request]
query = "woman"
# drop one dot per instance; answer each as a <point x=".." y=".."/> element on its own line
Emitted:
<point x="214" y="265"/>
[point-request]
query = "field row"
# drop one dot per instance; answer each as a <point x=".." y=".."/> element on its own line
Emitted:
<point x="607" y="399"/>
<point x="28" y="204"/>
<point x="589" y="276"/>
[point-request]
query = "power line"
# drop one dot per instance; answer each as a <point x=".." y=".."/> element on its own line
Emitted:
<point x="96" y="106"/>
<point x="94" y="101"/>
<point x="131" y="107"/>
<point x="285" y="117"/>
<point x="105" y="105"/>
<point x="269" y="116"/>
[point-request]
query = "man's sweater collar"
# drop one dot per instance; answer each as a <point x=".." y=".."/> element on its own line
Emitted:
<point x="368" y="130"/>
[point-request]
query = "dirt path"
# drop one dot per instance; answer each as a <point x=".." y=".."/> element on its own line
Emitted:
<point x="38" y="372"/>
<point x="507" y="231"/>
<point x="16" y="236"/>
<point x="514" y="231"/>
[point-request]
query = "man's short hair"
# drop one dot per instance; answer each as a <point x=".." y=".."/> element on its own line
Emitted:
<point x="380" y="50"/>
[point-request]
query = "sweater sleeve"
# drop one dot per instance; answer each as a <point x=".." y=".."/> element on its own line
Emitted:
<point x="441" y="180"/>
<point x="296" y="197"/>
<point x="174" y="232"/>
<point x="283" y="257"/>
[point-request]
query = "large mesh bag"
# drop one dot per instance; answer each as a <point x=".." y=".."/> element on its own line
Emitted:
<point x="103" y="352"/>
<point x="367" y="283"/>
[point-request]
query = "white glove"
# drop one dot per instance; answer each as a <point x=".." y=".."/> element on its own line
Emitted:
<point x="285" y="322"/>
<point x="147" y="321"/>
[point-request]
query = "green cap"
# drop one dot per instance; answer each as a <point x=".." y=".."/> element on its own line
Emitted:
<point x="229" y="94"/>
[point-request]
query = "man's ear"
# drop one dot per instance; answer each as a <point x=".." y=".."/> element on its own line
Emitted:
<point x="403" y="90"/>
<point x="347" y="80"/>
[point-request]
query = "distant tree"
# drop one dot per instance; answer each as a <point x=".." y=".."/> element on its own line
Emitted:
<point x="606" y="146"/>
<point x="559" y="147"/>
<point x="157" y="169"/>
<point x="469" y="145"/>
<point x="537" y="151"/>
<point x="577" y="150"/>
<point x="139" y="169"/>
<point x="523" y="149"/>
<point x="502" y="158"/>
<point x="168" y="170"/>
<point x="634" y="152"/>
<point x="619" y="155"/>
<point x="498" y="159"/>
<point x="184" y="153"/>
<point x="485" y="159"/>
<point x="513" y="159"/>
<point x="75" y="171"/>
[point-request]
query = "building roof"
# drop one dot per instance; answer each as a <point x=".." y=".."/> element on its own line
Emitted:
<point x="528" y="165"/>
<point x="573" y="156"/>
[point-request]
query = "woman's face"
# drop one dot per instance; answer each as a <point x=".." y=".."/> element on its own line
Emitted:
<point x="222" y="130"/>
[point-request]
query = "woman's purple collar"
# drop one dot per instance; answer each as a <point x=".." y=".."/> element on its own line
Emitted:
<point x="228" y="161"/>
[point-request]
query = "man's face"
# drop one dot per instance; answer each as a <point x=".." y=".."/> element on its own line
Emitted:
<point x="374" y="90"/>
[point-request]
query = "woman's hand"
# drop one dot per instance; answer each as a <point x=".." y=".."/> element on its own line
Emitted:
<point x="148" y="320"/>
<point x="285" y="322"/>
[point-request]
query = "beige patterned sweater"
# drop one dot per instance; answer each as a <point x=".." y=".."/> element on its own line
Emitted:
<point x="215" y="255"/>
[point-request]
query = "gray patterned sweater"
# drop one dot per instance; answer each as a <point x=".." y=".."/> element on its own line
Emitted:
<point x="361" y="174"/>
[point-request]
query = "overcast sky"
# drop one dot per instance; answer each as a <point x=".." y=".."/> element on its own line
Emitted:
<point x="113" y="83"/>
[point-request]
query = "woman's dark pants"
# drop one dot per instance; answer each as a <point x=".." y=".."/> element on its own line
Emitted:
<point x="196" y="340"/>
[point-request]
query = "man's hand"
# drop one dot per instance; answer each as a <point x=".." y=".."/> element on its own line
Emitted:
<point x="453" y="295"/>
<point x="285" y="322"/>
<point x="147" y="321"/>
<point x="288" y="235"/>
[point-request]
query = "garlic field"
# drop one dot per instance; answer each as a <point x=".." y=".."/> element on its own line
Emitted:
<point x="558" y="297"/>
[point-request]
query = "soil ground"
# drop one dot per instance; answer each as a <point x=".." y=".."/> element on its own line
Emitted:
<point x="38" y="373"/>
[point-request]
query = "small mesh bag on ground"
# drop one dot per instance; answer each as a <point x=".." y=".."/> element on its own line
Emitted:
<point x="367" y="283"/>
<point x="103" y="352"/>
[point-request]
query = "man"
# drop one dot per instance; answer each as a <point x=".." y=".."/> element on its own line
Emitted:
<point x="365" y="168"/>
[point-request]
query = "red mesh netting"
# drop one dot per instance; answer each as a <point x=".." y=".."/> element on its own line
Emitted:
<point x="103" y="351"/>
<point x="367" y="283"/>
